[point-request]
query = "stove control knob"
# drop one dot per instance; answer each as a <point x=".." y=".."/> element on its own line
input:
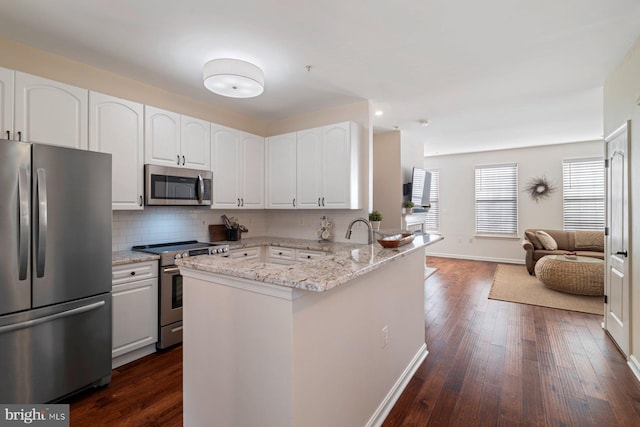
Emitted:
<point x="224" y="250"/>
<point x="177" y="256"/>
<point x="185" y="255"/>
<point x="213" y="251"/>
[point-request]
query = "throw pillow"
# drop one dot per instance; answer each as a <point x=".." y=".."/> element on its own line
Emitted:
<point x="547" y="241"/>
<point x="590" y="240"/>
<point x="531" y="236"/>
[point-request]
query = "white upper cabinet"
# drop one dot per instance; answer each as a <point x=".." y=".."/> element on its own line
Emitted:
<point x="162" y="137"/>
<point x="175" y="140"/>
<point x="237" y="160"/>
<point x="6" y="103"/>
<point x="318" y="166"/>
<point x="195" y="144"/>
<point x="281" y="171"/>
<point x="340" y="183"/>
<point x="116" y="126"/>
<point x="309" y="176"/>
<point x="50" y="112"/>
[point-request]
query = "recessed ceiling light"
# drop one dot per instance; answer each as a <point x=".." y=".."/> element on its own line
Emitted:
<point x="424" y="123"/>
<point x="379" y="113"/>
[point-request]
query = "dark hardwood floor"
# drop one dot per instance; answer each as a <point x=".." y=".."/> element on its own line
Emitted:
<point x="490" y="363"/>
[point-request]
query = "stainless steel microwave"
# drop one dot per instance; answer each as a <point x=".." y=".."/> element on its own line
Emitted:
<point x="177" y="186"/>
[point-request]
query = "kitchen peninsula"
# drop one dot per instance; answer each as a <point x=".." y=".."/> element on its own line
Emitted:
<point x="331" y="341"/>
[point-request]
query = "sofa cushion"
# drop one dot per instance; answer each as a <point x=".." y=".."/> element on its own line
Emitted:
<point x="531" y="236"/>
<point x="591" y="254"/>
<point x="589" y="240"/>
<point x="547" y="241"/>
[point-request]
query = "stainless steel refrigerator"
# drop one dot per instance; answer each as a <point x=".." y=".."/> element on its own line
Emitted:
<point x="55" y="271"/>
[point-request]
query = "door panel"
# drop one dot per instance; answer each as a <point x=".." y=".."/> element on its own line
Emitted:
<point x="617" y="277"/>
<point x="15" y="288"/>
<point x="72" y="253"/>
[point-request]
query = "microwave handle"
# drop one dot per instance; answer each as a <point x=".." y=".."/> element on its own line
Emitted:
<point x="200" y="188"/>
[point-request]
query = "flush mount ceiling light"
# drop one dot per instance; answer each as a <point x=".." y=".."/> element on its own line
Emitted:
<point x="233" y="78"/>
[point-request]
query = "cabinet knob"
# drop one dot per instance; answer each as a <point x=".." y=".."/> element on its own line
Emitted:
<point x="133" y="273"/>
<point x="246" y="254"/>
<point x="308" y="256"/>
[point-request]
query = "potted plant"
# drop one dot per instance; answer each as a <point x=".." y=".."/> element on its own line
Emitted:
<point x="375" y="217"/>
<point x="407" y="207"/>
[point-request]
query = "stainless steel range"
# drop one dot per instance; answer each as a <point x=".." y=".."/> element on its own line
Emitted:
<point x="170" y="284"/>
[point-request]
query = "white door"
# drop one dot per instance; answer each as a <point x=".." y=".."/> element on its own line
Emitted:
<point x="6" y="103"/>
<point x="281" y="171"/>
<point x="195" y="143"/>
<point x="162" y="137"/>
<point x="225" y="157"/>
<point x="617" y="248"/>
<point x="252" y="169"/>
<point x="309" y="159"/>
<point x="116" y="126"/>
<point x="50" y="112"/>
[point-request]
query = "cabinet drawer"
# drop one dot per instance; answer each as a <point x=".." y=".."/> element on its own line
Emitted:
<point x="135" y="271"/>
<point x="277" y="252"/>
<point x="304" y="255"/>
<point x="247" y="253"/>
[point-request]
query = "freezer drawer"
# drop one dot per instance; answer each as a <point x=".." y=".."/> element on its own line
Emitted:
<point x="50" y="352"/>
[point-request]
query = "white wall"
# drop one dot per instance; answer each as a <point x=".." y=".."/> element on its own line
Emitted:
<point x="457" y="198"/>
<point x="621" y="96"/>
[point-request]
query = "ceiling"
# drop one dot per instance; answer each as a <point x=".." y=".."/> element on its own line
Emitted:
<point x="486" y="75"/>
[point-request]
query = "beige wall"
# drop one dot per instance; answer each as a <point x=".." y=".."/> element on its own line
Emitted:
<point x="21" y="57"/>
<point x="387" y="177"/>
<point x="621" y="95"/>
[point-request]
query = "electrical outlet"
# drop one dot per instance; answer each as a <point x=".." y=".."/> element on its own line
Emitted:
<point x="385" y="336"/>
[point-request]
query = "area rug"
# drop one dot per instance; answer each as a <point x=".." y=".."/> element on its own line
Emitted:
<point x="513" y="283"/>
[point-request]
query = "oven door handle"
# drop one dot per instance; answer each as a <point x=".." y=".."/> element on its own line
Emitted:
<point x="170" y="270"/>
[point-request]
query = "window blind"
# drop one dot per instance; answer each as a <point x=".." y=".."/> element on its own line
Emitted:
<point x="497" y="199"/>
<point x="583" y="194"/>
<point x="432" y="220"/>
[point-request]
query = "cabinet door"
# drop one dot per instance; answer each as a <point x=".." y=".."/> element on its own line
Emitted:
<point x="281" y="171"/>
<point x="225" y="156"/>
<point x="309" y="157"/>
<point x="195" y="143"/>
<point x="337" y="169"/>
<point x="135" y="315"/>
<point x="116" y="127"/>
<point x="50" y="112"/>
<point x="252" y="170"/>
<point x="6" y="103"/>
<point x="162" y="137"/>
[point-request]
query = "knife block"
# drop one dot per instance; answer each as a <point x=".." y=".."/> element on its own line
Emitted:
<point x="233" y="234"/>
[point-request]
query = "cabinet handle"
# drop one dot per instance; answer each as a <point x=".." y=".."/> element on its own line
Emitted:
<point x="294" y="202"/>
<point x="178" y="162"/>
<point x="323" y="202"/>
<point x="141" y="200"/>
<point x="8" y="135"/>
<point x="308" y="256"/>
<point x="133" y="273"/>
<point x="246" y="254"/>
<point x="318" y="201"/>
<point x="19" y="136"/>
<point x="242" y="202"/>
<point x="238" y="203"/>
<point x="183" y="161"/>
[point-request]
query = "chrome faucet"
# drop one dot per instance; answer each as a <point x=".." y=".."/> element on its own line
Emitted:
<point x="348" y="235"/>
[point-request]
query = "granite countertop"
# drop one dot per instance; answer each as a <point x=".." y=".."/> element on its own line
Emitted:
<point x="126" y="257"/>
<point x="343" y="262"/>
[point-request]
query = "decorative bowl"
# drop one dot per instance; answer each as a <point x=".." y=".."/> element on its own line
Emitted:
<point x="396" y="240"/>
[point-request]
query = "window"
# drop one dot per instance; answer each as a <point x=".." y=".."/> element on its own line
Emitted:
<point x="432" y="220"/>
<point x="583" y="194"/>
<point x="497" y="199"/>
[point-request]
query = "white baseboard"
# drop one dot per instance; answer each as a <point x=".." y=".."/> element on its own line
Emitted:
<point x="634" y="364"/>
<point x="394" y="394"/>
<point x="133" y="355"/>
<point x="476" y="258"/>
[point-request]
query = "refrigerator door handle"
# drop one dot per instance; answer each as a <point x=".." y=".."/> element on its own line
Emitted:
<point x="41" y="239"/>
<point x="23" y="212"/>
<point x="34" y="322"/>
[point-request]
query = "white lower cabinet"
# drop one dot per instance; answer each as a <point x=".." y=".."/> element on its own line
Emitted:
<point x="247" y="253"/>
<point x="135" y="311"/>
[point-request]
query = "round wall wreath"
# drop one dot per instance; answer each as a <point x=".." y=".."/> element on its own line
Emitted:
<point x="539" y="188"/>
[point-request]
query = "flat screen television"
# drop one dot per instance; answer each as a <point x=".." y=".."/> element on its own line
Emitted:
<point x="420" y="189"/>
